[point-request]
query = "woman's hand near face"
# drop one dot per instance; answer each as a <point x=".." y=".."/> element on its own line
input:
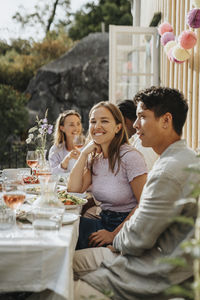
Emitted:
<point x="91" y="147"/>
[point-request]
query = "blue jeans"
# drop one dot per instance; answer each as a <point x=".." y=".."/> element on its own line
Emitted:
<point x="109" y="221"/>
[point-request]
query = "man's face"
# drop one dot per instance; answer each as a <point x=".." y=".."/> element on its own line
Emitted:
<point x="149" y="128"/>
<point x="129" y="127"/>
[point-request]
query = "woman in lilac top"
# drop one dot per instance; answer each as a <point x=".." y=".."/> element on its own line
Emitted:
<point x="63" y="154"/>
<point x="116" y="172"/>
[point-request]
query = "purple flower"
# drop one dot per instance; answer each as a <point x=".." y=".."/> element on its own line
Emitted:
<point x="50" y="129"/>
<point x="44" y="126"/>
<point x="44" y="121"/>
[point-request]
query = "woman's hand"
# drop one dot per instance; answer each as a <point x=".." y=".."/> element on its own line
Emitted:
<point x="91" y="147"/>
<point x="74" y="154"/>
<point x="101" y="237"/>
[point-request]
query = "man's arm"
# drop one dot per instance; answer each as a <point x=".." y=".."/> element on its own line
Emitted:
<point x="153" y="216"/>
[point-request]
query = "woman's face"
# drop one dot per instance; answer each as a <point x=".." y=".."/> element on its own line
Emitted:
<point x="102" y="126"/>
<point x="72" y="126"/>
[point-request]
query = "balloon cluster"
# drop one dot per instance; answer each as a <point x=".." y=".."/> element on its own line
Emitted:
<point x="177" y="48"/>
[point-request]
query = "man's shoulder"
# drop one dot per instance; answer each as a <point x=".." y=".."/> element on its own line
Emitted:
<point x="175" y="163"/>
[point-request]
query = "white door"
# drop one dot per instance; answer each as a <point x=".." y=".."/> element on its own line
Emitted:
<point x="133" y="60"/>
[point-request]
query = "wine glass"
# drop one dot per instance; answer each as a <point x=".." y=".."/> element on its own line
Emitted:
<point x="32" y="160"/>
<point x="44" y="170"/>
<point x="79" y="140"/>
<point x="13" y="193"/>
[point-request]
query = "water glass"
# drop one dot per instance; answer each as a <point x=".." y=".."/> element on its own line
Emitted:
<point x="47" y="219"/>
<point x="7" y="218"/>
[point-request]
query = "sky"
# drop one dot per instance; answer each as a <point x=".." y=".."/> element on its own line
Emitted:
<point x="10" y="29"/>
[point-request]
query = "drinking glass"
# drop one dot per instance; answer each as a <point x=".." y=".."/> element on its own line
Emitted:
<point x="79" y="141"/>
<point x="32" y="160"/>
<point x="44" y="170"/>
<point x="13" y="193"/>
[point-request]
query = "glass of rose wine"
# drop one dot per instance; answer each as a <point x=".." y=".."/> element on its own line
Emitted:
<point x="13" y="193"/>
<point x="32" y="160"/>
<point x="79" y="140"/>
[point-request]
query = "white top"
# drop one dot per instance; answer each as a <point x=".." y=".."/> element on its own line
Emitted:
<point x="149" y="154"/>
<point x="56" y="156"/>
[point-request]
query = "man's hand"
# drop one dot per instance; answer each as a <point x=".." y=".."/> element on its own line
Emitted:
<point x="100" y="238"/>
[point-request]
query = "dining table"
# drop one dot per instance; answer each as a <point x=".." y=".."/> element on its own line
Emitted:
<point x="40" y="262"/>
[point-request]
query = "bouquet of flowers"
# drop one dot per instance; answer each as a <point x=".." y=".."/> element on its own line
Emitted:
<point x="38" y="134"/>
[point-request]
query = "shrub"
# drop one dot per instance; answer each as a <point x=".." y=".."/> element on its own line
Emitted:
<point x="13" y="118"/>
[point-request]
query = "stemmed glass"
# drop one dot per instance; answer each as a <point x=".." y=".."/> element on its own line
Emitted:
<point x="32" y="160"/>
<point x="13" y="193"/>
<point x="79" y="140"/>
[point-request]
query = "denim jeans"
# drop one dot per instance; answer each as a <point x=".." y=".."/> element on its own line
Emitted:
<point x="109" y="221"/>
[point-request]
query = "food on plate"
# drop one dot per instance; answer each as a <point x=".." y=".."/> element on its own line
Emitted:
<point x="31" y="180"/>
<point x="69" y="199"/>
<point x="33" y="190"/>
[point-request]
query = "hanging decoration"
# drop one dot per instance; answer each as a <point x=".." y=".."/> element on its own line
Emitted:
<point x="177" y="48"/>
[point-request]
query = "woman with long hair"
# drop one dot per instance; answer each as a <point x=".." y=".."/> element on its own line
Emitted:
<point x="63" y="154"/>
<point x="116" y="172"/>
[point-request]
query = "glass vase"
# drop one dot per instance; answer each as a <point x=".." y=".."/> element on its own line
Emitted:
<point x="49" y="196"/>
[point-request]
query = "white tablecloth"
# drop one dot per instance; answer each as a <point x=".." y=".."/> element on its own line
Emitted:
<point x="36" y="263"/>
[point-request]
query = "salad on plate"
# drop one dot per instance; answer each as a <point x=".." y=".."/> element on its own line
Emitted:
<point x="72" y="199"/>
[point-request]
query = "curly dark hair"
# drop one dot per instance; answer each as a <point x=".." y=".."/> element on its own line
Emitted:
<point x="128" y="109"/>
<point x="161" y="100"/>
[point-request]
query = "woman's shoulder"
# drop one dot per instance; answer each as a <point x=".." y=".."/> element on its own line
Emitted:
<point x="57" y="148"/>
<point x="129" y="150"/>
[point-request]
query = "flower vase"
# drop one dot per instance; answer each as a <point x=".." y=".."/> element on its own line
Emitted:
<point x="43" y="167"/>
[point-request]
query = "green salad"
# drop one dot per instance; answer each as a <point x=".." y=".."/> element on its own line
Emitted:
<point x="70" y="199"/>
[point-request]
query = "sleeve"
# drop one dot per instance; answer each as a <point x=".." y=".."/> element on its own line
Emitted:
<point x="134" y="164"/>
<point x="153" y="216"/>
<point x="55" y="161"/>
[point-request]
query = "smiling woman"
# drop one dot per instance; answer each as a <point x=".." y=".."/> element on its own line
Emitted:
<point x="115" y="172"/>
<point x="64" y="153"/>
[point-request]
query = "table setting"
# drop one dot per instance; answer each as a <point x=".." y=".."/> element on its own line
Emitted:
<point x="38" y="234"/>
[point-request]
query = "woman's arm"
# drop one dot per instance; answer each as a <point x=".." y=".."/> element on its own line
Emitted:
<point x="80" y="177"/>
<point x="73" y="154"/>
<point x="103" y="236"/>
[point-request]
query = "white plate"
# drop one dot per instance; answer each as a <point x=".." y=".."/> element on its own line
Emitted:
<point x="69" y="218"/>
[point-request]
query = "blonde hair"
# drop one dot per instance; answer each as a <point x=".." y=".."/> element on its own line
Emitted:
<point x="119" y="139"/>
<point x="59" y="136"/>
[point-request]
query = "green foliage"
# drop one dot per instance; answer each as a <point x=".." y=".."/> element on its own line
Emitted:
<point x="13" y="114"/>
<point x="22" y="59"/>
<point x="175" y="261"/>
<point x="14" y="120"/>
<point x="89" y="19"/>
<point x="177" y="290"/>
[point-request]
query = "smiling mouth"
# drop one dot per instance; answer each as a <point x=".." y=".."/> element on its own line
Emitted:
<point x="98" y="134"/>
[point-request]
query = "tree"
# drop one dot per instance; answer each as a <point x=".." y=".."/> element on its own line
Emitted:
<point x="47" y="14"/>
<point x="91" y="17"/>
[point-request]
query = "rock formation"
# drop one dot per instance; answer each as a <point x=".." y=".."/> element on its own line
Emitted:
<point x="77" y="80"/>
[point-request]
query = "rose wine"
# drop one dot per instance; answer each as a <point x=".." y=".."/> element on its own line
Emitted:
<point x="78" y="145"/>
<point x="32" y="163"/>
<point x="13" y="200"/>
